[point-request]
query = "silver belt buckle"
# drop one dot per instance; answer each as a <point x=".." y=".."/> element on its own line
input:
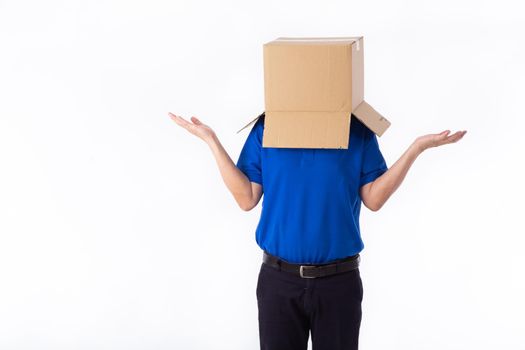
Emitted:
<point x="301" y="269"/>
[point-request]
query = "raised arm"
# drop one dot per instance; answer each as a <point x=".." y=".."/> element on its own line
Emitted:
<point x="376" y="193"/>
<point x="247" y="194"/>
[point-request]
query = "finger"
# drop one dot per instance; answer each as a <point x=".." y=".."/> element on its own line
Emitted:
<point x="175" y="118"/>
<point x="460" y="135"/>
<point x="182" y="122"/>
<point x="196" y="120"/>
<point x="442" y="136"/>
<point x="454" y="137"/>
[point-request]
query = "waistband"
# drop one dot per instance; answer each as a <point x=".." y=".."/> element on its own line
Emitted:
<point x="313" y="270"/>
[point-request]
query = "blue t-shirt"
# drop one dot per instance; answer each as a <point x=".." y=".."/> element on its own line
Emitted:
<point x="311" y="202"/>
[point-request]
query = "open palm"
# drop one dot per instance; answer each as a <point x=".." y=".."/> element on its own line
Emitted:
<point x="197" y="128"/>
<point x="433" y="140"/>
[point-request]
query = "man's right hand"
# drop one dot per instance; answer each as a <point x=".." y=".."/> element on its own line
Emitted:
<point x="246" y="193"/>
<point x="197" y="128"/>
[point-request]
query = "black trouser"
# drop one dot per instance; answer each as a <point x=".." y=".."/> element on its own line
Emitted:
<point x="290" y="306"/>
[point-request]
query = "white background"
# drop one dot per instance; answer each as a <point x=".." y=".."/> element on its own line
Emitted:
<point x="117" y="232"/>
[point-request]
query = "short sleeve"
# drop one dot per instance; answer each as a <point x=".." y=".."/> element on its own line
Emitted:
<point x="249" y="161"/>
<point x="373" y="163"/>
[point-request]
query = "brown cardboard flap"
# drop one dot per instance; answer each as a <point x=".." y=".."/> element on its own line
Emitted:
<point x="306" y="129"/>
<point x="250" y="123"/>
<point x="371" y="118"/>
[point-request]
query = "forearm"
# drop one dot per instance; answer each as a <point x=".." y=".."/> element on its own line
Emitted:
<point x="236" y="181"/>
<point x="385" y="185"/>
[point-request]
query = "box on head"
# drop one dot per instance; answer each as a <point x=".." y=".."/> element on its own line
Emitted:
<point x="312" y="86"/>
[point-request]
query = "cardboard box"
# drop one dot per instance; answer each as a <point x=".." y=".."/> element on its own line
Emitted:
<point x="312" y="86"/>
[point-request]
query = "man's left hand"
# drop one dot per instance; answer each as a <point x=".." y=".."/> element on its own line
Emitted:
<point x="433" y="140"/>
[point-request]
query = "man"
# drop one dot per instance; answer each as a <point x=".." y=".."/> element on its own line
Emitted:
<point x="309" y="230"/>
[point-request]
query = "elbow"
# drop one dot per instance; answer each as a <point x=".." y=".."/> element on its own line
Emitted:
<point x="374" y="206"/>
<point x="245" y="206"/>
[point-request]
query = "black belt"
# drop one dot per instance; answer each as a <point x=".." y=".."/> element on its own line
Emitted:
<point x="313" y="271"/>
